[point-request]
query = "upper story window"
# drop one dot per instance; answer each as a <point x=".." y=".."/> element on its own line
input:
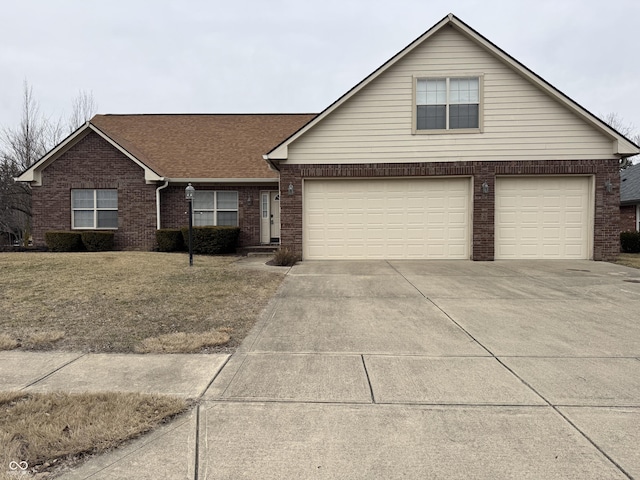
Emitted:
<point x="94" y="209"/>
<point x="449" y="103"/>
<point x="215" y="208"/>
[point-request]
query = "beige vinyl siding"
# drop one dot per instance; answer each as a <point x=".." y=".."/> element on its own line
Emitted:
<point x="520" y="121"/>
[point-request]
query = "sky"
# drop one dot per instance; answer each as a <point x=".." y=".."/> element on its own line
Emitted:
<point x="298" y="56"/>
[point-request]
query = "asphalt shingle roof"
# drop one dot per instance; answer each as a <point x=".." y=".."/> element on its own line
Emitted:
<point x="202" y="146"/>
<point x="630" y="184"/>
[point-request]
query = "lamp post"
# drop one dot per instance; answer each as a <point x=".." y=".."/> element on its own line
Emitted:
<point x="188" y="193"/>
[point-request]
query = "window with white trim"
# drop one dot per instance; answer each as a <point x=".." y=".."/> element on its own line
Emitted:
<point x="449" y="103"/>
<point x="94" y="208"/>
<point x="638" y="218"/>
<point x="215" y="208"/>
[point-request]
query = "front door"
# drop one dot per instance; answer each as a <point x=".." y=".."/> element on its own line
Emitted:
<point x="270" y="217"/>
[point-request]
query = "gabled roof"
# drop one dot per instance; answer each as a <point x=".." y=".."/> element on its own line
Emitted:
<point x="187" y="147"/>
<point x="202" y="146"/>
<point x="630" y="185"/>
<point x="622" y="145"/>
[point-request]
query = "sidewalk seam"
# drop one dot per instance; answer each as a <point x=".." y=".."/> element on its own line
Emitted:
<point x="53" y="371"/>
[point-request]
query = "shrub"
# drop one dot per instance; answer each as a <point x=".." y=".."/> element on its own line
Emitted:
<point x="212" y="240"/>
<point x="630" y="242"/>
<point x="97" y="241"/>
<point x="60" y="241"/>
<point x="170" y="240"/>
<point x="285" y="258"/>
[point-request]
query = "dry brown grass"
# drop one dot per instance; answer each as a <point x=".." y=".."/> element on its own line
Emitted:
<point x="181" y="342"/>
<point x="629" y="260"/>
<point x="7" y="342"/>
<point x="46" y="430"/>
<point x="113" y="301"/>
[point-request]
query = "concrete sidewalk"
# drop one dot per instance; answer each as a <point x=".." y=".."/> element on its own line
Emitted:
<point x="397" y="369"/>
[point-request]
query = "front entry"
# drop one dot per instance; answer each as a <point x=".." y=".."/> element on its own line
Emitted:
<point x="270" y="217"/>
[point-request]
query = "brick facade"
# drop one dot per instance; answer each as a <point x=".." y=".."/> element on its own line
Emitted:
<point x="628" y="221"/>
<point x="173" y="210"/>
<point x="606" y="244"/>
<point x="94" y="163"/>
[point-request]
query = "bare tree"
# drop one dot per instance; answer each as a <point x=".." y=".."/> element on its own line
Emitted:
<point x="21" y="147"/>
<point x="629" y="130"/>
<point x="82" y="109"/>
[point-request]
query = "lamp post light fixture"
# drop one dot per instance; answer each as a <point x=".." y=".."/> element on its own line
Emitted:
<point x="188" y="194"/>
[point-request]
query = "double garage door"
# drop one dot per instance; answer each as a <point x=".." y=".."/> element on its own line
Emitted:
<point x="536" y="217"/>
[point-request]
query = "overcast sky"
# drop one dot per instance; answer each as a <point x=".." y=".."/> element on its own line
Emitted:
<point x="278" y="56"/>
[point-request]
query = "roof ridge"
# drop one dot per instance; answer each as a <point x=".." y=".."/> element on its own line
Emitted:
<point x="197" y="114"/>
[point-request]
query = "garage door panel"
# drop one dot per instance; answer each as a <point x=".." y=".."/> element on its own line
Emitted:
<point x="542" y="217"/>
<point x="390" y="218"/>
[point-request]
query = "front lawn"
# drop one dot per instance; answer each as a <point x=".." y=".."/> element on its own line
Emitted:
<point x="629" y="260"/>
<point x="53" y="431"/>
<point x="129" y="301"/>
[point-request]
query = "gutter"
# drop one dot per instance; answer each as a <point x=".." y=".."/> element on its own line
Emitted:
<point x="272" y="165"/>
<point x="166" y="183"/>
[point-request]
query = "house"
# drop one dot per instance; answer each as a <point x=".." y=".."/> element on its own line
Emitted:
<point x="127" y="173"/>
<point x="452" y="150"/>
<point x="630" y="199"/>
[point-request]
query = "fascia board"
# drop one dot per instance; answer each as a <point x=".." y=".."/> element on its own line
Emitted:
<point x="223" y="180"/>
<point x="280" y="152"/>
<point x="621" y="145"/>
<point x="33" y="173"/>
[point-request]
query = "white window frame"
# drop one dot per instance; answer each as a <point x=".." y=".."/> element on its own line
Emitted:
<point x="447" y="130"/>
<point x="94" y="209"/>
<point x="215" y="210"/>
<point x="638" y="217"/>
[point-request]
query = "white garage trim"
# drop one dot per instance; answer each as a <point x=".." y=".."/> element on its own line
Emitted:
<point x="546" y="217"/>
<point x="413" y="218"/>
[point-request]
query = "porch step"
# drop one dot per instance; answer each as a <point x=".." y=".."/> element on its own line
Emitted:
<point x="258" y="250"/>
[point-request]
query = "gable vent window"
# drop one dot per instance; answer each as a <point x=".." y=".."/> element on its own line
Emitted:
<point x="447" y="103"/>
<point x="215" y="208"/>
<point x="94" y="209"/>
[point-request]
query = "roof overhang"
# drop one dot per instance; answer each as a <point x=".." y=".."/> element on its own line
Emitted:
<point x="621" y="146"/>
<point x="33" y="174"/>
<point x="223" y="180"/>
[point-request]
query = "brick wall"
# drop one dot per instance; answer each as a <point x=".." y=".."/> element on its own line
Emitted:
<point x="94" y="163"/>
<point x="607" y="213"/>
<point x="628" y="218"/>
<point x="173" y="210"/>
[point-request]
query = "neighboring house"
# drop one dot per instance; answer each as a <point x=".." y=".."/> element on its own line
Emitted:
<point x="630" y="199"/>
<point x="127" y="173"/>
<point x="452" y="150"/>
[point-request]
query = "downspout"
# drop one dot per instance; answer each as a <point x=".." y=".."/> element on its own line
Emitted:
<point x="166" y="183"/>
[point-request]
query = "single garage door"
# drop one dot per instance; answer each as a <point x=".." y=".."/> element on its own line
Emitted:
<point x="543" y="217"/>
<point x="390" y="218"/>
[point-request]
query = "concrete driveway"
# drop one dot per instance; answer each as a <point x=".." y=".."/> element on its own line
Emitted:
<point x="424" y="370"/>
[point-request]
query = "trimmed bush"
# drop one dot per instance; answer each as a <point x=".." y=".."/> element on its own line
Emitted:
<point x="212" y="240"/>
<point x="97" y="241"/>
<point x="285" y="258"/>
<point x="630" y="242"/>
<point x="170" y="240"/>
<point x="60" y="241"/>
